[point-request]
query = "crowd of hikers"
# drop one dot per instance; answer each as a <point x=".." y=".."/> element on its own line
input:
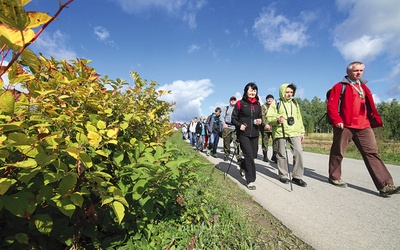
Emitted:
<point x="351" y="111"/>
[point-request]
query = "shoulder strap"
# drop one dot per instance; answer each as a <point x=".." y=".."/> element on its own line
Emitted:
<point x="341" y="95"/>
<point x="278" y="104"/>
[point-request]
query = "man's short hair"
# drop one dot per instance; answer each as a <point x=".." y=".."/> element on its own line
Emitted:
<point x="350" y="66"/>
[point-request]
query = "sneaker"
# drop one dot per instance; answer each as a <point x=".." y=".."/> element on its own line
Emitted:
<point x="251" y="186"/>
<point x="389" y="190"/>
<point x="208" y="152"/>
<point x="338" y="183"/>
<point x="226" y="157"/>
<point x="299" y="182"/>
<point x="215" y="155"/>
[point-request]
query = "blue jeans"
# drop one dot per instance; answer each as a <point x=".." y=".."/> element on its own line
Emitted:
<point x="193" y="138"/>
<point x="213" y="142"/>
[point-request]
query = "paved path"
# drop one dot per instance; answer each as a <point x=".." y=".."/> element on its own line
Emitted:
<point x="322" y="215"/>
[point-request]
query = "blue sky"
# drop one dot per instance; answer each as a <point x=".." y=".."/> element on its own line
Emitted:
<point x="207" y="50"/>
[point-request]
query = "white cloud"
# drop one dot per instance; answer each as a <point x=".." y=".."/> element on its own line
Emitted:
<point x="370" y="30"/>
<point x="186" y="9"/>
<point x="54" y="45"/>
<point x="101" y="33"/>
<point x="188" y="96"/>
<point x="192" y="48"/>
<point x="277" y="32"/>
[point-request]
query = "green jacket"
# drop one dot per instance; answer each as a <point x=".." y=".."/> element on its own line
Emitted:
<point x="292" y="109"/>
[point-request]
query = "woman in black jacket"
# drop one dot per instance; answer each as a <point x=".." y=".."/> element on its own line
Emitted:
<point x="246" y="117"/>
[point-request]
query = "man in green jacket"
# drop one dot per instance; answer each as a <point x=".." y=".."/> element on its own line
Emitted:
<point x="287" y="125"/>
<point x="266" y="131"/>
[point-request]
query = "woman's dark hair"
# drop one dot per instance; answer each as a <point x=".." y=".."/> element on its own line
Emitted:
<point x="250" y="85"/>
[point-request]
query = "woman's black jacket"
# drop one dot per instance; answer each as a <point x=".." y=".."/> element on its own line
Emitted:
<point x="245" y="113"/>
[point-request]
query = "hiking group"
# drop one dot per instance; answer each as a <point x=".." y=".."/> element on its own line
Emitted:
<point x="350" y="109"/>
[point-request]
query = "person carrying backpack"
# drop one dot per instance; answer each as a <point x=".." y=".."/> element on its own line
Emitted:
<point x="284" y="116"/>
<point x="229" y="131"/>
<point x="214" y="127"/>
<point x="246" y="117"/>
<point x="266" y="131"/>
<point x="354" y="121"/>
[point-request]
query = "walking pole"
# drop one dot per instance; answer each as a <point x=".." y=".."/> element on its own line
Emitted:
<point x="233" y="155"/>
<point x="287" y="158"/>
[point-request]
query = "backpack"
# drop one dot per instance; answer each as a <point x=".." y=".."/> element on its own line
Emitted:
<point x="328" y="94"/>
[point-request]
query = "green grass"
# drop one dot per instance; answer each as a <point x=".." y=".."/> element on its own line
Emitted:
<point x="220" y="215"/>
<point x="320" y="143"/>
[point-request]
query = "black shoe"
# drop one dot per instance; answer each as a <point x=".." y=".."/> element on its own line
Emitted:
<point x="284" y="180"/>
<point x="226" y="158"/>
<point x="273" y="158"/>
<point x="299" y="182"/>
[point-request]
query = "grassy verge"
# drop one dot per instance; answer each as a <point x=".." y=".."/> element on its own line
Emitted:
<point x="321" y="143"/>
<point x="219" y="215"/>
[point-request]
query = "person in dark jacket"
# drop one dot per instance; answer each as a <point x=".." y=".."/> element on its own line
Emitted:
<point x="246" y="117"/>
<point x="357" y="116"/>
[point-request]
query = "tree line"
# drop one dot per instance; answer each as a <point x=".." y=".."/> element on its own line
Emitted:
<point x="314" y="118"/>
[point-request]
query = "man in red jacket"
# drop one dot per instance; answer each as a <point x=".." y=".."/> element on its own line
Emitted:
<point x="353" y="118"/>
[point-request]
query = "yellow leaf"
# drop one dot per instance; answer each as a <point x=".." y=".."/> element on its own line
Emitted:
<point x="74" y="152"/>
<point x="7" y="102"/>
<point x="94" y="139"/>
<point x="37" y="18"/>
<point x="112" y="133"/>
<point x="15" y="36"/>
<point x="23" y="2"/>
<point x="119" y="210"/>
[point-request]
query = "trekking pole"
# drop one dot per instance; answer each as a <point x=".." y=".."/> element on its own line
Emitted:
<point x="287" y="158"/>
<point x="233" y="155"/>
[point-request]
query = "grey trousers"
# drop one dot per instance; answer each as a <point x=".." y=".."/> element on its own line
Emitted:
<point x="297" y="151"/>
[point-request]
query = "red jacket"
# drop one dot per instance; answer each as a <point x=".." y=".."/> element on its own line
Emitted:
<point x="346" y="109"/>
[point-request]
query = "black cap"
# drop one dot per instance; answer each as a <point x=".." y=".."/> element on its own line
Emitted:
<point x="269" y="96"/>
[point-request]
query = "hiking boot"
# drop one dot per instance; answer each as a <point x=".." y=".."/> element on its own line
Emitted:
<point x="208" y="152"/>
<point x="226" y="157"/>
<point x="284" y="180"/>
<point x="338" y="183"/>
<point x="251" y="186"/>
<point x="299" y="182"/>
<point x="241" y="172"/>
<point x="389" y="190"/>
<point x="265" y="157"/>
<point x="215" y="155"/>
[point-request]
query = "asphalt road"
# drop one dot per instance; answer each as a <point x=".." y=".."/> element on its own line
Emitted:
<point x="323" y="215"/>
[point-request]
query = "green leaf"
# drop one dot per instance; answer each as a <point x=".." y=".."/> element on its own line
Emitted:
<point x="81" y="138"/>
<point x="44" y="159"/>
<point x="85" y="158"/>
<point x="21" y="204"/>
<point x="25" y="175"/>
<point x="19" y="139"/>
<point x="139" y="189"/>
<point x="43" y="223"/>
<point x="67" y="184"/>
<point x="5" y="184"/>
<point x="66" y="207"/>
<point x="29" y="163"/>
<point x="22" y="238"/>
<point x="77" y="199"/>
<point x="119" y="210"/>
<point x="29" y="59"/>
